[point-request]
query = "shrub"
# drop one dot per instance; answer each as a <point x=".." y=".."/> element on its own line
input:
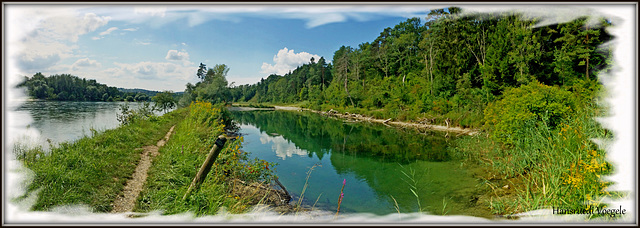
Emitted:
<point x="128" y="115"/>
<point x="507" y="117"/>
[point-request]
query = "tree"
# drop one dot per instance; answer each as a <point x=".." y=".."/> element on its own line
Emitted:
<point x="201" y="71"/>
<point x="214" y="87"/>
<point x="164" y="101"/>
<point x="342" y="61"/>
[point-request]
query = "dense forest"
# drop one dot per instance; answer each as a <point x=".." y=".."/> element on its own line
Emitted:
<point x="66" y="87"/>
<point x="449" y="66"/>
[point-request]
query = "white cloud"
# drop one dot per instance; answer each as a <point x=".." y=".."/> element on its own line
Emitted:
<point x="96" y="38"/>
<point x="548" y="14"/>
<point x="85" y="63"/>
<point x="50" y="35"/>
<point x="151" y="10"/>
<point x="108" y="31"/>
<point x="287" y="60"/>
<point x="38" y="55"/>
<point x="177" y="56"/>
<point x="140" y="42"/>
<point x="37" y="62"/>
<point x="70" y="27"/>
<point x="153" y="70"/>
<point x="130" y="29"/>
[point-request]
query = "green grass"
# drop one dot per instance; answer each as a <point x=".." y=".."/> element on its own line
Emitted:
<point x="180" y="159"/>
<point x="558" y="167"/>
<point x="93" y="169"/>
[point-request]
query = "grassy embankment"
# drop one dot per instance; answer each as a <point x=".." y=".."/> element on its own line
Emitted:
<point x="181" y="158"/>
<point x="559" y="167"/>
<point x="93" y="170"/>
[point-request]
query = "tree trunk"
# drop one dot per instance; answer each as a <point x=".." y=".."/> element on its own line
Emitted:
<point x="322" y="70"/>
<point x="346" y="89"/>
<point x="587" y="43"/>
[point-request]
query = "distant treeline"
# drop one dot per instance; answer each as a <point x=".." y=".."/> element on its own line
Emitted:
<point x="66" y="87"/>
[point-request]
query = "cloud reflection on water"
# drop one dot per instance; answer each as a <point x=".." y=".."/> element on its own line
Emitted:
<point x="283" y="147"/>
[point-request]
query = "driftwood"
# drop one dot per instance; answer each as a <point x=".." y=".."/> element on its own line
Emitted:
<point x="282" y="186"/>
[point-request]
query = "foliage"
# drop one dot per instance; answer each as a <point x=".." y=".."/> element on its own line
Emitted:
<point x="213" y="87"/>
<point x="558" y="167"/>
<point x="66" y="87"/>
<point x="128" y="116"/>
<point x="164" y="101"/>
<point x="209" y="114"/>
<point x="447" y="66"/>
<point x="528" y="104"/>
<point x="305" y="82"/>
<point x="180" y="158"/>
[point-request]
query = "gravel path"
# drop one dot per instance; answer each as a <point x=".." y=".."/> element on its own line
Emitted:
<point x="126" y="201"/>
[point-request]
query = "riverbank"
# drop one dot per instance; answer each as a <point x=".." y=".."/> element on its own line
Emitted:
<point x="234" y="182"/>
<point x="388" y="122"/>
<point x="99" y="171"/>
<point x="92" y="170"/>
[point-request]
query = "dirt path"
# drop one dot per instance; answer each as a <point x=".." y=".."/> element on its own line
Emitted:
<point x="127" y="199"/>
<point x="388" y="122"/>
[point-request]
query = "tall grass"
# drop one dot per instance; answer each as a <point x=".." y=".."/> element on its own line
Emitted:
<point x="298" y="204"/>
<point x="93" y="169"/>
<point x="179" y="161"/>
<point x="551" y="167"/>
<point x="413" y="184"/>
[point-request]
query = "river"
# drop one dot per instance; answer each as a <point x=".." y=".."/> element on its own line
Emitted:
<point x="387" y="170"/>
<point x="60" y="121"/>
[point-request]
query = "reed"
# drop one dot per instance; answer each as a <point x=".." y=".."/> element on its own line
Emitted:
<point x="304" y="188"/>
<point x="344" y="182"/>
<point x="554" y="166"/>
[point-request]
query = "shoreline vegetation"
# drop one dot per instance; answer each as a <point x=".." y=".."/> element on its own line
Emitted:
<point x="388" y="122"/>
<point x="94" y="170"/>
<point x="66" y="87"/>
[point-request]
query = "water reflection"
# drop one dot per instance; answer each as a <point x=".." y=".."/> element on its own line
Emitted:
<point x="283" y="148"/>
<point x="59" y="121"/>
<point x="372" y="159"/>
<point x="318" y="134"/>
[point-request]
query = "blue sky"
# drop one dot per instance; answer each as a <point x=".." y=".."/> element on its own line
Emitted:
<point x="159" y="47"/>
